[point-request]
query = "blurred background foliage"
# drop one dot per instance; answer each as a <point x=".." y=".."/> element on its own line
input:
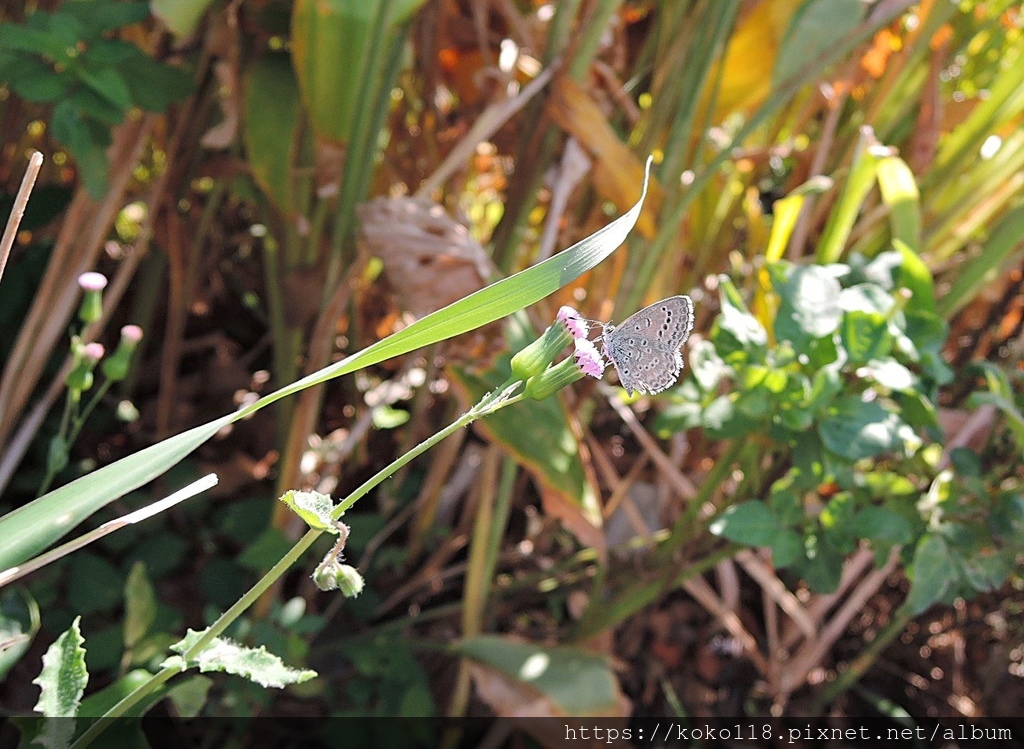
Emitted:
<point x="269" y="185"/>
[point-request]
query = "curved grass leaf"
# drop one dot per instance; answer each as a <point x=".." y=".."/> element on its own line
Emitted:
<point x="30" y="529"/>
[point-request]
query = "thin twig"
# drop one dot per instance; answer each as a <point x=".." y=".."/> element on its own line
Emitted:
<point x="35" y="162"/>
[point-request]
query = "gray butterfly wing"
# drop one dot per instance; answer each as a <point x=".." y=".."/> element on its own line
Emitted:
<point x="668" y="322"/>
<point x="644" y="366"/>
<point x="645" y="347"/>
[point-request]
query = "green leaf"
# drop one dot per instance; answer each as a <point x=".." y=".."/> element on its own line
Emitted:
<point x="109" y="84"/>
<point x="313" y="507"/>
<point x="98" y="110"/>
<point x="37" y="82"/>
<point x="810" y="304"/>
<point x="578" y="682"/>
<point x="855" y="429"/>
<point x="154" y="86"/>
<point x="549" y="449"/>
<point x="866" y="297"/>
<point x="33" y="527"/>
<point x="881" y="526"/>
<point x="19" y="624"/>
<point x="816" y="28"/>
<point x="865" y="336"/>
<point x="98" y="703"/>
<point x="988" y="569"/>
<point x="900" y="194"/>
<point x="735" y="320"/>
<point x="273" y="113"/>
<point x="1000" y="249"/>
<point x="787" y="547"/>
<point x="932" y="572"/>
<point x="707" y="366"/>
<point x="113" y="52"/>
<point x="35" y="41"/>
<point x="751" y="523"/>
<point x="890" y="374"/>
<point x="856" y="188"/>
<point x="66" y="125"/>
<point x="139" y="606"/>
<point x="822" y="564"/>
<point x="255" y="664"/>
<point x="189" y="695"/>
<point x="100" y="17"/>
<point x="62" y="682"/>
<point x="721" y="419"/>
<point x="915" y="276"/>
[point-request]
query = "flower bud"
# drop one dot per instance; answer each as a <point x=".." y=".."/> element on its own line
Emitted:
<point x="552" y="380"/>
<point x="115" y="367"/>
<point x="533" y="359"/>
<point x="80" y="378"/>
<point x="333" y="575"/>
<point x="92" y="285"/>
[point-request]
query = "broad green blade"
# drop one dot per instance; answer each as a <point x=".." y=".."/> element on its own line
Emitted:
<point x="30" y="529"/>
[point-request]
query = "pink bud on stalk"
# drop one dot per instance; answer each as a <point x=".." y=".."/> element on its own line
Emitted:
<point x="81" y="378"/>
<point x="115" y="367"/>
<point x="92" y="285"/>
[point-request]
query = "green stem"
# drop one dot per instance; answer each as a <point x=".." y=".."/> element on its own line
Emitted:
<point x="491" y="402"/>
<point x="488" y="404"/>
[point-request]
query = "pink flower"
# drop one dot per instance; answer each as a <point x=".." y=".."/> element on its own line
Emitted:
<point x="588" y="358"/>
<point x="131" y="333"/>
<point x="93" y="352"/>
<point x="573" y="322"/>
<point x="92" y="281"/>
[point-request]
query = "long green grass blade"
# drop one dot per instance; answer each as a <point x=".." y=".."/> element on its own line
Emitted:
<point x="30" y="529"/>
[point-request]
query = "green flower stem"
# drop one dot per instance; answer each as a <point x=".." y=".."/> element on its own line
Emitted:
<point x="490" y="403"/>
<point x="103" y="723"/>
<point x="71" y="424"/>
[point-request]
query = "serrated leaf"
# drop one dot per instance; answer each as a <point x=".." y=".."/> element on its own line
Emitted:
<point x="62" y="682"/>
<point x="255" y="664"/>
<point x="313" y="507"/>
